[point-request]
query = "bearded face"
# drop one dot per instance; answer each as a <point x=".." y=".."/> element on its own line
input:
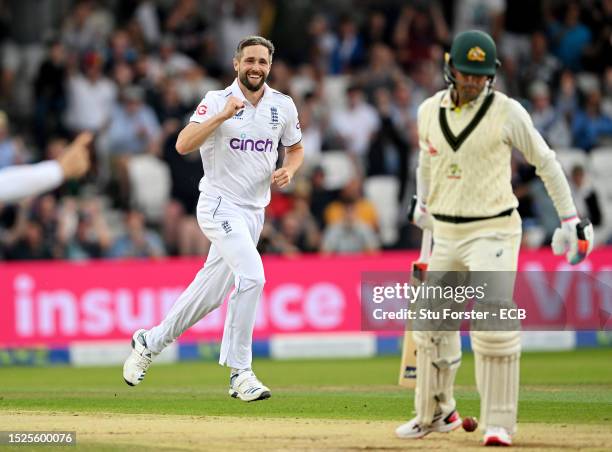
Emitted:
<point x="252" y="79"/>
<point x="253" y="67"/>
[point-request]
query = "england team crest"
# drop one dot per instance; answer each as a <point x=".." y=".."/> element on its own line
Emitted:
<point x="274" y="117"/>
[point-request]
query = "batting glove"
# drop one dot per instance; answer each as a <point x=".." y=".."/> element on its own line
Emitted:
<point x="419" y="216"/>
<point x="574" y="239"/>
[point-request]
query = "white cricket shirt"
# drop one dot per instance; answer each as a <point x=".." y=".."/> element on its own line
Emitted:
<point x="20" y="181"/>
<point x="240" y="156"/>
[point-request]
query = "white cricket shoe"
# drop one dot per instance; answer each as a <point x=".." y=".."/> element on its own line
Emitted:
<point x="136" y="365"/>
<point x="246" y="386"/>
<point x="412" y="429"/>
<point x="497" y="436"/>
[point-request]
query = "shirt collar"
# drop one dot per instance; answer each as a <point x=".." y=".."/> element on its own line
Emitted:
<point x="237" y="92"/>
<point x="447" y="99"/>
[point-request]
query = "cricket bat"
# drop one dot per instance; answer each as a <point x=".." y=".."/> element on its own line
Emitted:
<point x="408" y="370"/>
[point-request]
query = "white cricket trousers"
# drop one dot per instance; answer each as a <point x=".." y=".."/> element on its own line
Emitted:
<point x="233" y="231"/>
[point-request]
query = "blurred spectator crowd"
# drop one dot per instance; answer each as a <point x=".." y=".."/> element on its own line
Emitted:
<point x="132" y="72"/>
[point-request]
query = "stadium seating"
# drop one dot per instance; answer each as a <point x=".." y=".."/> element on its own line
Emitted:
<point x="338" y="167"/>
<point x="150" y="185"/>
<point x="334" y="89"/>
<point x="570" y="157"/>
<point x="600" y="162"/>
<point x="383" y="191"/>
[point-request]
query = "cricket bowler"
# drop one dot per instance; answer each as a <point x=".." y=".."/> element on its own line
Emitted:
<point x="237" y="131"/>
<point x="466" y="136"/>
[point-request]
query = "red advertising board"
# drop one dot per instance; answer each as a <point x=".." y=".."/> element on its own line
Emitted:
<point x="55" y="303"/>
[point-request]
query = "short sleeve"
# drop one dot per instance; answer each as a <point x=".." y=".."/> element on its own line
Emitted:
<point x="292" y="134"/>
<point x="206" y="109"/>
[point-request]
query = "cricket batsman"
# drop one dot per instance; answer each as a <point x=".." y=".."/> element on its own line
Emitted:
<point x="466" y="136"/>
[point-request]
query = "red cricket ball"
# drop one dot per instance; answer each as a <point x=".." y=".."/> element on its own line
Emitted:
<point x="469" y="424"/>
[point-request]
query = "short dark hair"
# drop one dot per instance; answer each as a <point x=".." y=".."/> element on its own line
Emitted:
<point x="254" y="41"/>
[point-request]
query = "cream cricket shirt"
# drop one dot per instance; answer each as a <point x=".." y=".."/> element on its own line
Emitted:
<point x="240" y="156"/>
<point x="464" y="162"/>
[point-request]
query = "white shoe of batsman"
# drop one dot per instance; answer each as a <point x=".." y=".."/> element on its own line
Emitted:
<point x="136" y="365"/>
<point x="246" y="386"/>
<point x="441" y="424"/>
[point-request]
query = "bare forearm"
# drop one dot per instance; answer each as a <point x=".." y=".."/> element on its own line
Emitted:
<point x="194" y="134"/>
<point x="19" y="228"/>
<point x="293" y="159"/>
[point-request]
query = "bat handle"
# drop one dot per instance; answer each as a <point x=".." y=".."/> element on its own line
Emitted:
<point x="426" y="241"/>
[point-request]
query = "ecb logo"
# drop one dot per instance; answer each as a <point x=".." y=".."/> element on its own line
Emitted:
<point x="273" y="117"/>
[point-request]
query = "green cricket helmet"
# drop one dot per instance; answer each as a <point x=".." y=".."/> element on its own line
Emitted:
<point x="472" y="52"/>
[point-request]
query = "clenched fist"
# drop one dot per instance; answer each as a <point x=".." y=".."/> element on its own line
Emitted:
<point x="231" y="107"/>
<point x="281" y="177"/>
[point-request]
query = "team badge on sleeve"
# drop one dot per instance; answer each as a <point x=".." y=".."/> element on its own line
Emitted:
<point x="201" y="110"/>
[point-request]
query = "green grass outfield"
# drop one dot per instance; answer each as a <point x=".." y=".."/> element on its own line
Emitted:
<point x="560" y="387"/>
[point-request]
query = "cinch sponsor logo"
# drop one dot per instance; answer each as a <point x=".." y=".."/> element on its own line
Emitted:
<point x="248" y="144"/>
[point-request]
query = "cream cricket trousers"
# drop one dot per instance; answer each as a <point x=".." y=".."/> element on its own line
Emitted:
<point x="481" y="246"/>
<point x="233" y="260"/>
